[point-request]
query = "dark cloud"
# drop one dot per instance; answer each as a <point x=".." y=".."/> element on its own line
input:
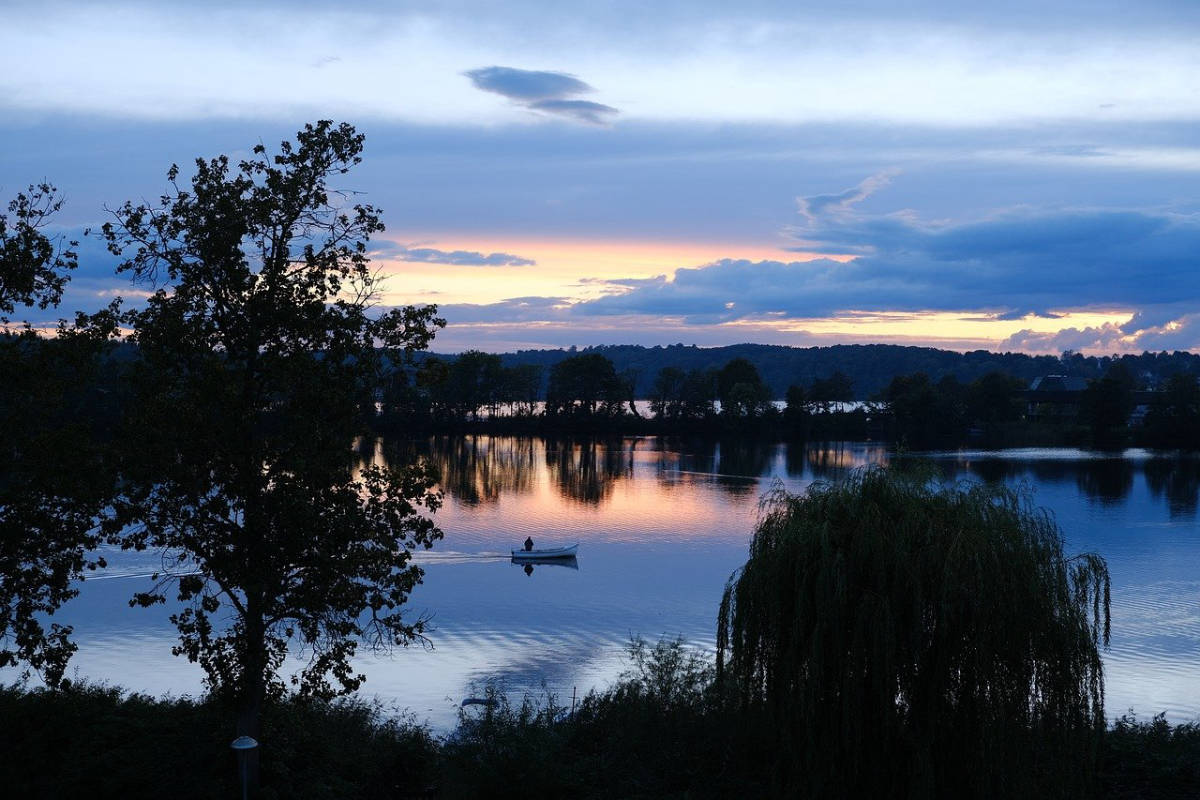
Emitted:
<point x="1009" y="266"/>
<point x="1009" y="316"/>
<point x="457" y="258"/>
<point x="527" y="85"/>
<point x="582" y="110"/>
<point x="547" y="92"/>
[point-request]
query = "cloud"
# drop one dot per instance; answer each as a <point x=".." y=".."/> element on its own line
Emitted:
<point x="547" y="92"/>
<point x="823" y="204"/>
<point x="457" y="258"/>
<point x="1016" y="263"/>
<point x="1018" y="314"/>
<point x="1107" y="337"/>
<point x="519" y="310"/>
<point x="582" y="110"/>
<point x="527" y="85"/>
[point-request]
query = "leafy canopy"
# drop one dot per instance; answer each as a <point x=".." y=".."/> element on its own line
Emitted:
<point x="52" y="475"/>
<point x="259" y="356"/>
<point x="908" y="639"/>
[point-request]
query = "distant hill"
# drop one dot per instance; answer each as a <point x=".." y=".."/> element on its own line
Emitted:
<point x="870" y="366"/>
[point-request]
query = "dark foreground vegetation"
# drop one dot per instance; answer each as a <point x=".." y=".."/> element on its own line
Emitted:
<point x="662" y="731"/>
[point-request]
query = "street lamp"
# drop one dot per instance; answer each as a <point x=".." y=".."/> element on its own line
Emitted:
<point x="242" y="745"/>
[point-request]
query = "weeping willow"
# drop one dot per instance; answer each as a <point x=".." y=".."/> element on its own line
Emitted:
<point x="903" y="639"/>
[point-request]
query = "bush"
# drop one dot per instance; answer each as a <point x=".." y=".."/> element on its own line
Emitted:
<point x="92" y="740"/>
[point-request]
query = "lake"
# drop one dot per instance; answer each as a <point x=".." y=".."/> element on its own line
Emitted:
<point x="661" y="524"/>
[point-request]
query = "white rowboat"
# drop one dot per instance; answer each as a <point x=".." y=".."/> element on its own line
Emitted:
<point x="541" y="555"/>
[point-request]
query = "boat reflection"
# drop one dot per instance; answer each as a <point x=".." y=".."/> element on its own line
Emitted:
<point x="528" y="563"/>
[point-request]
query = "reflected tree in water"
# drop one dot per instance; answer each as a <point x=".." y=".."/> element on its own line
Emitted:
<point x="740" y="463"/>
<point x="586" y="470"/>
<point x="479" y="469"/>
<point x="1108" y="480"/>
<point x="1178" y="479"/>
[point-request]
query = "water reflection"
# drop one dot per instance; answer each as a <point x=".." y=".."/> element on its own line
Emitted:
<point x="832" y="460"/>
<point x="1178" y="479"/>
<point x="475" y="470"/>
<point x="1109" y="481"/>
<point x="586" y="470"/>
<point x="527" y="564"/>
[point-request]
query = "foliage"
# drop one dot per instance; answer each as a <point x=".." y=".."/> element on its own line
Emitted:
<point x="587" y="386"/>
<point x="477" y="381"/>
<point x="679" y="395"/>
<point x="52" y="470"/>
<point x="136" y="745"/>
<point x="54" y="480"/>
<point x="1173" y="421"/>
<point x="1107" y="404"/>
<point x="1150" y="760"/>
<point x="660" y="731"/>
<point x="905" y="638"/>
<point x="257" y="358"/>
<point x="33" y="267"/>
<point x="741" y="390"/>
<point x="837" y="388"/>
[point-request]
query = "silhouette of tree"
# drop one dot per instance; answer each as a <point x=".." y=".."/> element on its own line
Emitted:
<point x="257" y="350"/>
<point x="33" y="267"/>
<point x="1173" y="421"/>
<point x="52" y="477"/>
<point x="586" y="385"/>
<point x="1107" y="404"/>
<point x="906" y="640"/>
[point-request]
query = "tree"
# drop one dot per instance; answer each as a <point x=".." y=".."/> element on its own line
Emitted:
<point x="473" y="381"/>
<point x="586" y="385"/>
<point x="48" y="407"/>
<point x="1173" y="420"/>
<point x="909" y="640"/>
<point x="33" y="267"/>
<point x="741" y="390"/>
<point x="1107" y="404"/>
<point x="256" y="351"/>
<point x="994" y="398"/>
<point x="666" y="397"/>
<point x="837" y="388"/>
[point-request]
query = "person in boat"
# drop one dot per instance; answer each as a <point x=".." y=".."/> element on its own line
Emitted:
<point x="528" y="543"/>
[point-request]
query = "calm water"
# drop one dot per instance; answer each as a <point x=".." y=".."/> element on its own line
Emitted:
<point x="661" y="525"/>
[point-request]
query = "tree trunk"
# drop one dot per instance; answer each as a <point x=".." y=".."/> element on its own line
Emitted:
<point x="253" y="691"/>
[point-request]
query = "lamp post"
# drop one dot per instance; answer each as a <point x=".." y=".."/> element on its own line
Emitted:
<point x="242" y="745"/>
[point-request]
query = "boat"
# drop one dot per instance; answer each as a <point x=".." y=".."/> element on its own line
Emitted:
<point x="545" y="554"/>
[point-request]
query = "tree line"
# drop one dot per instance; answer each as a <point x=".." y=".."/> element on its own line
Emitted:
<point x="586" y="392"/>
<point x="870" y="367"/>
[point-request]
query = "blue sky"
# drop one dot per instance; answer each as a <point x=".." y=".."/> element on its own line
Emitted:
<point x="1022" y="177"/>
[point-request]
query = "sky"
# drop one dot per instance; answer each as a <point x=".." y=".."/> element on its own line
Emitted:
<point x="1019" y="176"/>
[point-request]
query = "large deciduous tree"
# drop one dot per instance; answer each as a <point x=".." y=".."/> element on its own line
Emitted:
<point x="259" y="356"/>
